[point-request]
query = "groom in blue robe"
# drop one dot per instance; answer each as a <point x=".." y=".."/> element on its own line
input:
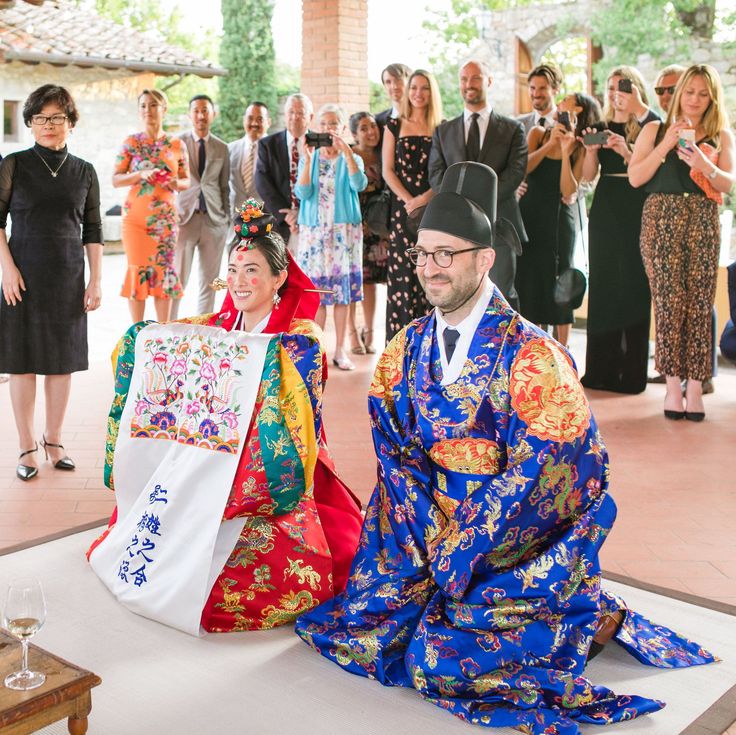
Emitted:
<point x="477" y="579"/>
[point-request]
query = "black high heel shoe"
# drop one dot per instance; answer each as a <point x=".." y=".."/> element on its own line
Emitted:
<point x="23" y="471"/>
<point x="65" y="463"/>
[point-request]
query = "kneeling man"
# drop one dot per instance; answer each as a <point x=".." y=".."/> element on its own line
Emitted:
<point x="477" y="579"/>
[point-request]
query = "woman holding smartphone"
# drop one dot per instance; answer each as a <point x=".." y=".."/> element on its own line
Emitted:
<point x="685" y="165"/>
<point x="617" y="348"/>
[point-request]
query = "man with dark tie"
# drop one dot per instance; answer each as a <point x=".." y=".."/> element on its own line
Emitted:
<point x="481" y="134"/>
<point x="203" y="208"/>
<point x="278" y="162"/>
<point x="477" y="570"/>
<point x="544" y="82"/>
<point x="244" y="155"/>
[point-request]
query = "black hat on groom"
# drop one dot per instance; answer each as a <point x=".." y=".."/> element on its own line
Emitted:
<point x="466" y="208"/>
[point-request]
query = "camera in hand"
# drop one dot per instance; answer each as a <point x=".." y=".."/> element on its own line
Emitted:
<point x="563" y="118"/>
<point x="624" y="85"/>
<point x="599" y="137"/>
<point x="318" y="140"/>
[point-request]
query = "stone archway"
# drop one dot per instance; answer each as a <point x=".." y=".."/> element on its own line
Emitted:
<point x="516" y="39"/>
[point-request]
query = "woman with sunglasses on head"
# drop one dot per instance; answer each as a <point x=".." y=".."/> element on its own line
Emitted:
<point x="685" y="164"/>
<point x="53" y="199"/>
<point x="617" y="349"/>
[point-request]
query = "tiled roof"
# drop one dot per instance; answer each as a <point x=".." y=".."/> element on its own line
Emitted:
<point x="60" y="32"/>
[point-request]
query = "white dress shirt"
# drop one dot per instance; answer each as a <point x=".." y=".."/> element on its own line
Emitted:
<point x="549" y="118"/>
<point x="484" y="116"/>
<point x="467" y="328"/>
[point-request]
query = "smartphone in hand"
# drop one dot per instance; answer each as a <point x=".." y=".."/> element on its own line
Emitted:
<point x="624" y="85"/>
<point x="563" y="118"/>
<point x="599" y="137"/>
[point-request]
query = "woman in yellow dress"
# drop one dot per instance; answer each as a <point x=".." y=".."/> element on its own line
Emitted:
<point x="154" y="165"/>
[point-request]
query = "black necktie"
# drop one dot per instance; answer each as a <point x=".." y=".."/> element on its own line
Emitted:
<point x="200" y="168"/>
<point x="472" y="148"/>
<point x="542" y="122"/>
<point x="450" y="337"/>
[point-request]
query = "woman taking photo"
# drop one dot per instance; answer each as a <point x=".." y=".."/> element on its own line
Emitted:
<point x="553" y="175"/>
<point x="367" y="135"/>
<point x="53" y="199"/>
<point x="406" y="145"/>
<point x="154" y="166"/>
<point x="617" y="348"/>
<point x="276" y="529"/>
<point x="330" y="225"/>
<point x="685" y="165"/>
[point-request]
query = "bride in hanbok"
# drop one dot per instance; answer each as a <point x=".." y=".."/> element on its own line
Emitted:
<point x="229" y="513"/>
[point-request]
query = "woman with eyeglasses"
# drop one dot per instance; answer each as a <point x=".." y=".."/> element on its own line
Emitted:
<point x="53" y="199"/>
<point x="330" y="224"/>
<point x="617" y="349"/>
<point x="686" y="165"/>
<point x="155" y="167"/>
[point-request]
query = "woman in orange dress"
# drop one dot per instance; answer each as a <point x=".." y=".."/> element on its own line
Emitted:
<point x="154" y="165"/>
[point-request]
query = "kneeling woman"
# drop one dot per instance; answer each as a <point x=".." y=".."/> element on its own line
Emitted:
<point x="229" y="513"/>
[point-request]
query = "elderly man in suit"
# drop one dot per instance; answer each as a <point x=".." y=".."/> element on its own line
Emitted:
<point x="244" y="154"/>
<point x="481" y="134"/>
<point x="203" y="208"/>
<point x="543" y="82"/>
<point x="277" y="166"/>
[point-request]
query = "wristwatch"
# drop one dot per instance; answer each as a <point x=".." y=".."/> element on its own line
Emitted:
<point x="713" y="174"/>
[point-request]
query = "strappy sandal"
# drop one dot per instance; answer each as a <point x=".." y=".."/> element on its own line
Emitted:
<point x="368" y="343"/>
<point x="359" y="348"/>
<point x="23" y="471"/>
<point x="65" y="463"/>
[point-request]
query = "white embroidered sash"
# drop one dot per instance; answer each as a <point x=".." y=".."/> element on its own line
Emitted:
<point x="181" y="434"/>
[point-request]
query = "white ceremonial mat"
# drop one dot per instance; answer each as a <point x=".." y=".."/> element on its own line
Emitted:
<point x="158" y="680"/>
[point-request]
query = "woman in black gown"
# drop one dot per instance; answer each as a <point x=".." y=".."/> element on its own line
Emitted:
<point x="619" y="310"/>
<point x="53" y="200"/>
<point x="407" y="141"/>
<point x="553" y="175"/>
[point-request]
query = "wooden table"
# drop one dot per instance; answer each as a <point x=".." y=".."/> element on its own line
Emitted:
<point x="65" y="693"/>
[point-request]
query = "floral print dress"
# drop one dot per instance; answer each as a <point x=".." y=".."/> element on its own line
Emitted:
<point x="149" y="217"/>
<point x="331" y="253"/>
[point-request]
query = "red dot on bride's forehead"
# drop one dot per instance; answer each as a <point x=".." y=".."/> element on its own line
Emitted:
<point x="240" y="256"/>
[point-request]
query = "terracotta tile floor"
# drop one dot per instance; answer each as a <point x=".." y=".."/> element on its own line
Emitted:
<point x="675" y="492"/>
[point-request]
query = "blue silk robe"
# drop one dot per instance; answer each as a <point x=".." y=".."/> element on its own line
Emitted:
<point x="477" y="579"/>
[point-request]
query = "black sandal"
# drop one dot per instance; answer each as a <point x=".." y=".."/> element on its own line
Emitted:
<point x="23" y="471"/>
<point x="65" y="463"/>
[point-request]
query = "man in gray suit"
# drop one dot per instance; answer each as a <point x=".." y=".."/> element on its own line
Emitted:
<point x="203" y="208"/>
<point x="244" y="155"/>
<point x="481" y="134"/>
<point x="544" y="83"/>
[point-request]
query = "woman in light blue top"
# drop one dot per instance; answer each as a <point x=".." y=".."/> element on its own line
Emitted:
<point x="330" y="224"/>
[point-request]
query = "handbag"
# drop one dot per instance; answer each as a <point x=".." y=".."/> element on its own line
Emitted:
<point x="376" y="212"/>
<point x="570" y="284"/>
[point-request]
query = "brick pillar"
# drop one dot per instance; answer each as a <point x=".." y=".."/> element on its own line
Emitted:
<point x="335" y="53"/>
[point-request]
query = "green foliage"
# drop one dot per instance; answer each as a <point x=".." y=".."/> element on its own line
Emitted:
<point x="378" y="100"/>
<point x="288" y="81"/>
<point x="247" y="52"/>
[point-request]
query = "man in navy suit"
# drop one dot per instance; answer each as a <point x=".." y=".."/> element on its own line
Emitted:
<point x="481" y="134"/>
<point x="276" y="168"/>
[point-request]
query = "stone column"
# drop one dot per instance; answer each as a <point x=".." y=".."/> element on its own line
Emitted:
<point x="335" y="53"/>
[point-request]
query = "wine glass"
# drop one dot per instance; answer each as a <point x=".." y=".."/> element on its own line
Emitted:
<point x="25" y="613"/>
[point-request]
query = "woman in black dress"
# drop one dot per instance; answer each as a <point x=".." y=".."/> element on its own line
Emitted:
<point x="406" y="144"/>
<point x="53" y="200"/>
<point x="553" y="175"/>
<point x="367" y="137"/>
<point x="617" y="348"/>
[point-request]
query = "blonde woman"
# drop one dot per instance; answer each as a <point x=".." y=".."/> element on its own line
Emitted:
<point x="407" y="141"/>
<point x="617" y="347"/>
<point x="685" y="165"/>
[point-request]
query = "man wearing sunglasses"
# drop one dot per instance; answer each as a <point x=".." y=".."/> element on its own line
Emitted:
<point x="664" y="88"/>
<point x="477" y="574"/>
